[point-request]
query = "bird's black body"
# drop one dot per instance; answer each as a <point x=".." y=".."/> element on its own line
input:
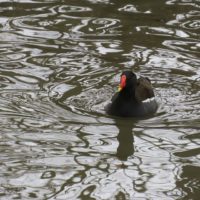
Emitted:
<point x="135" y="99"/>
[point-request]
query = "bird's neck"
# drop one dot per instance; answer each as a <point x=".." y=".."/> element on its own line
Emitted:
<point x="128" y="93"/>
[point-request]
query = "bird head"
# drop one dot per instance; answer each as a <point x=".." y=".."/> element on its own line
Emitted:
<point x="128" y="80"/>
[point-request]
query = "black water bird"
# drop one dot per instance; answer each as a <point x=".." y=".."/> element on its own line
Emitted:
<point x="135" y="97"/>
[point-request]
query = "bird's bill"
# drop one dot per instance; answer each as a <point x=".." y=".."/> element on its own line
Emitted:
<point x="119" y="88"/>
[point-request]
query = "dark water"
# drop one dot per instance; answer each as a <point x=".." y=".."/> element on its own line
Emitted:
<point x="60" y="63"/>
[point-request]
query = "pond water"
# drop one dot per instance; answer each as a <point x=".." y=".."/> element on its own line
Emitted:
<point x="60" y="63"/>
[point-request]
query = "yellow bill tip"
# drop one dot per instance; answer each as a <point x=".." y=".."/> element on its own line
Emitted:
<point x="119" y="89"/>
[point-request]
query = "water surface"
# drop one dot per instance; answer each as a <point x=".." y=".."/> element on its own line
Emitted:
<point x="60" y="63"/>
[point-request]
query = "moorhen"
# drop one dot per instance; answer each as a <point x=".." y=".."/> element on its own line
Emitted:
<point x="135" y="97"/>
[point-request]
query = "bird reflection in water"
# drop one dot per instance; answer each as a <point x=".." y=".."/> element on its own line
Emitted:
<point x="125" y="138"/>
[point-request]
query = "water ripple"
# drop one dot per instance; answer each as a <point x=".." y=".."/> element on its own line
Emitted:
<point x="184" y="3"/>
<point x="95" y="27"/>
<point x="71" y="9"/>
<point x="195" y="24"/>
<point x="30" y="31"/>
<point x="132" y="9"/>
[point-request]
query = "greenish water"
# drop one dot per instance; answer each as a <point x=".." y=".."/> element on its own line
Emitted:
<point x="60" y="63"/>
